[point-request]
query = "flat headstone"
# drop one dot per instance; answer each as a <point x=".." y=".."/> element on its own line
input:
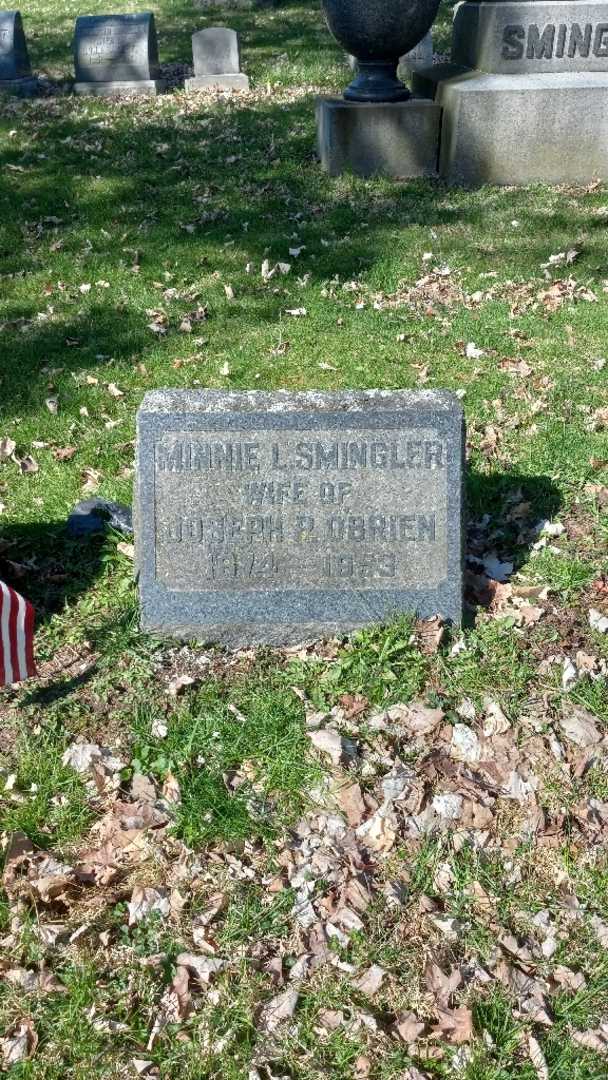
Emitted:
<point x="279" y="517"/>
<point x="116" y="53"/>
<point x="15" y="69"/>
<point x="217" y="60"/>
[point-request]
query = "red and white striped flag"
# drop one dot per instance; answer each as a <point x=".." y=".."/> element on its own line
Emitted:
<point x="16" y="637"/>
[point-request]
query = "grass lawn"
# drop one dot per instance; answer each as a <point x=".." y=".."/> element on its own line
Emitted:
<point x="383" y="857"/>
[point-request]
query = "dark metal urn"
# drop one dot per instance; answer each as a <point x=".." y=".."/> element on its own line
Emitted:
<point x="378" y="33"/>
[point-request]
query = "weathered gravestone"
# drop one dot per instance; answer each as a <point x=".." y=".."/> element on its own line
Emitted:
<point x="277" y="517"/>
<point x="420" y="56"/>
<point x="526" y="95"/>
<point x="15" y="70"/>
<point x="217" y="61"/>
<point x="116" y="54"/>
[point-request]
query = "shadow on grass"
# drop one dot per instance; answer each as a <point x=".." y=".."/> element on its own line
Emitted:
<point x="49" y="566"/>
<point x="142" y="186"/>
<point x="264" y="31"/>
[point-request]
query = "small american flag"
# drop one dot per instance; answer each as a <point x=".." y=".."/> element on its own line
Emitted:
<point x="16" y="637"/>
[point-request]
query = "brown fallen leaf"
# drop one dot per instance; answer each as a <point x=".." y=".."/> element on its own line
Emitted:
<point x="538" y="1058"/>
<point x="370" y="981"/>
<point x="579" y="725"/>
<point x="363" y="1067"/>
<point x="64" y="453"/>
<point x="379" y="832"/>
<point x="416" y="717"/>
<point x="174" y="1005"/>
<point x="202" y="967"/>
<point x="180" y="683"/>
<point x="19" y="1043"/>
<point x="592" y="1040"/>
<point x="337" y="748"/>
<point x="145" y="900"/>
<point x="171" y="791"/>
<point x="7" y="448"/>
<point x="128" y="550"/>
<point x="28" y="465"/>
<point x="409" y="1027"/>
<point x="442" y="986"/>
<point x="90" y="479"/>
<point x="351" y="802"/>
<point x="455" y="1025"/>
<point x="565" y="976"/>
<point x="280" y="1008"/>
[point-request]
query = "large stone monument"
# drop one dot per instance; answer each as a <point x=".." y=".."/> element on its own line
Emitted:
<point x="217" y="61"/>
<point x="278" y="517"/>
<point x="377" y="127"/>
<point x="15" y="70"/>
<point x="526" y="96"/>
<point x="116" y="54"/>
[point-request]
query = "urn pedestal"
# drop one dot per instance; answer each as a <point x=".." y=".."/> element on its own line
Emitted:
<point x="378" y="128"/>
<point x="395" y="139"/>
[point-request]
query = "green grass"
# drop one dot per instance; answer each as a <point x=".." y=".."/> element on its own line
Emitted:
<point x="157" y="205"/>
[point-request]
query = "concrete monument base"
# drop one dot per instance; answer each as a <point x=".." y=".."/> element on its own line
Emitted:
<point x="520" y="129"/>
<point x="26" y="86"/>
<point x="218" y="82"/>
<point x="150" y="87"/>
<point x="396" y="139"/>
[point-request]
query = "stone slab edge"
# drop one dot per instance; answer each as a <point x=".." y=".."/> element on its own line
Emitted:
<point x="527" y="110"/>
<point x="150" y="87"/>
<point x="218" y="82"/>
<point x="26" y="86"/>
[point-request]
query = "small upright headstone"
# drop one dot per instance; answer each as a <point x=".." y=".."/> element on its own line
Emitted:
<point x="217" y="61"/>
<point x="421" y="55"/>
<point x="116" y="54"/>
<point x="279" y="517"/>
<point x="15" y="70"/>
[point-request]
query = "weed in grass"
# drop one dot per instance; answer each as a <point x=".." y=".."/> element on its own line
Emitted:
<point x="235" y="769"/>
<point x="564" y="574"/>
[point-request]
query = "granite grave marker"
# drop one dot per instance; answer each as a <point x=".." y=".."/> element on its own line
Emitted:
<point x="217" y="61"/>
<point x="116" y="54"/>
<point x="277" y="517"/>
<point x="15" y="69"/>
<point x="526" y="95"/>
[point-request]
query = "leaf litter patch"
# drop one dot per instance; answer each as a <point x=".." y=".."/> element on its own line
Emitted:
<point x="472" y="783"/>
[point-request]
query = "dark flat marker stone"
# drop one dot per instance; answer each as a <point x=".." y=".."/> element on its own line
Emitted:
<point x="96" y="515"/>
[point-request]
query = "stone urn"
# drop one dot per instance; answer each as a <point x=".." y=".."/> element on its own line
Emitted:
<point x="377" y="33"/>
